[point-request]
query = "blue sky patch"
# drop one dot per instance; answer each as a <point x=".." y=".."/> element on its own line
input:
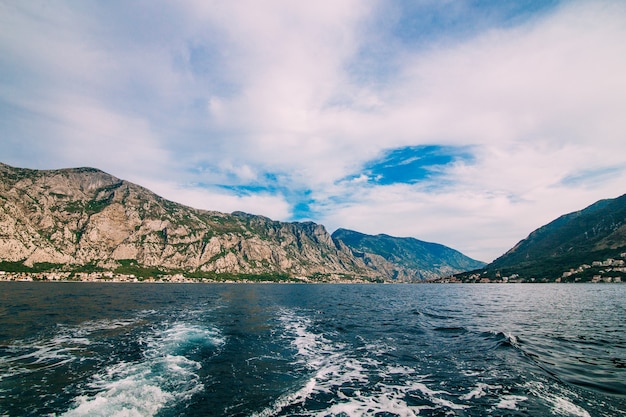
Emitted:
<point x="413" y="164"/>
<point x="420" y="22"/>
<point x="301" y="200"/>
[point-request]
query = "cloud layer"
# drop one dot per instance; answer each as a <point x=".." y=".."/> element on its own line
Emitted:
<point x="464" y="125"/>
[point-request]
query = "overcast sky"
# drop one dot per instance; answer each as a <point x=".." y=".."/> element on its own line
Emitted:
<point x="466" y="123"/>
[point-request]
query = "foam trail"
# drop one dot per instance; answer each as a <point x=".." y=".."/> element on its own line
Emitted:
<point x="164" y="377"/>
<point x="350" y="379"/>
<point x="29" y="356"/>
<point x="560" y="404"/>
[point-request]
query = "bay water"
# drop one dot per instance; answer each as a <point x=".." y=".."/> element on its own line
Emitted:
<point x="107" y="349"/>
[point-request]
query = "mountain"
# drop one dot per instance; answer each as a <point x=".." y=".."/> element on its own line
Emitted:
<point x="85" y="220"/>
<point x="88" y="220"/>
<point x="566" y="248"/>
<point x="405" y="259"/>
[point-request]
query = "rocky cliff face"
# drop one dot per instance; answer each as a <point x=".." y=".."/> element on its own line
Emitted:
<point x="87" y="217"/>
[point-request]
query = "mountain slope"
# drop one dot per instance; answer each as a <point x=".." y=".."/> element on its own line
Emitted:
<point x="571" y="242"/>
<point x="406" y="259"/>
<point x="598" y="227"/>
<point x="86" y="218"/>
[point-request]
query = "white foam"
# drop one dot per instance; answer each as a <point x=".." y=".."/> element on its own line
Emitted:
<point x="369" y="405"/>
<point x="129" y="396"/>
<point x="512" y="339"/>
<point x="62" y="348"/>
<point x="82" y="332"/>
<point x="311" y="347"/>
<point x="560" y="404"/>
<point x="399" y="370"/>
<point x="567" y="408"/>
<point x="337" y="371"/>
<point x="181" y="335"/>
<point x="509" y="402"/>
<point x="163" y="377"/>
<point x="479" y="391"/>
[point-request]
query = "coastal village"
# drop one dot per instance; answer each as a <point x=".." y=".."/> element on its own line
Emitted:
<point x="89" y="277"/>
<point x="179" y="278"/>
<point x="606" y="271"/>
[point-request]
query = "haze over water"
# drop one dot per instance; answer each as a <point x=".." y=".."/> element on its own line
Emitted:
<point x="78" y="349"/>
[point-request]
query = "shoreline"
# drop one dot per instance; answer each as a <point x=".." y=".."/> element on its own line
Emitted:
<point x="113" y="278"/>
<point x="164" y="281"/>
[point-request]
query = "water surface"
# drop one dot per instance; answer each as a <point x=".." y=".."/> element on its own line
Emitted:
<point x="88" y="349"/>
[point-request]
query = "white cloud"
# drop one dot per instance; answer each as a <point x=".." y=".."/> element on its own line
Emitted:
<point x="289" y="59"/>
<point x="234" y="93"/>
<point x="79" y="132"/>
<point x="272" y="206"/>
<point x="540" y="103"/>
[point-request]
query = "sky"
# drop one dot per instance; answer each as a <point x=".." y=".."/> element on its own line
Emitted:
<point x="468" y="123"/>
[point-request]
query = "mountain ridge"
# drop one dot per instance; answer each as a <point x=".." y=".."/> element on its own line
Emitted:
<point x="87" y="219"/>
<point x="406" y="257"/>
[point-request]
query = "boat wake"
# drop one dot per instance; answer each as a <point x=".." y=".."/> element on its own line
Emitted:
<point x="165" y="374"/>
<point x="353" y="381"/>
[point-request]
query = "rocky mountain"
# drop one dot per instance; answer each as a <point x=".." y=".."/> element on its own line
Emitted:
<point x="574" y="247"/>
<point x="405" y="259"/>
<point x="86" y="220"/>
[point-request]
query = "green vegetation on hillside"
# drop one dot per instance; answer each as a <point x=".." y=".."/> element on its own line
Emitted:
<point x="573" y="242"/>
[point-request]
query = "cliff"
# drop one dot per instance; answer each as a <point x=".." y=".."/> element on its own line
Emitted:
<point x="83" y="220"/>
<point x="86" y="217"/>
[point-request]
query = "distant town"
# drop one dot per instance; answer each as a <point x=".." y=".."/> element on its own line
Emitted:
<point x="89" y="277"/>
<point x="607" y="271"/>
<point x="175" y="278"/>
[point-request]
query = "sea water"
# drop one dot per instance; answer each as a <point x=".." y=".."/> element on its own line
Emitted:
<point x="106" y="349"/>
